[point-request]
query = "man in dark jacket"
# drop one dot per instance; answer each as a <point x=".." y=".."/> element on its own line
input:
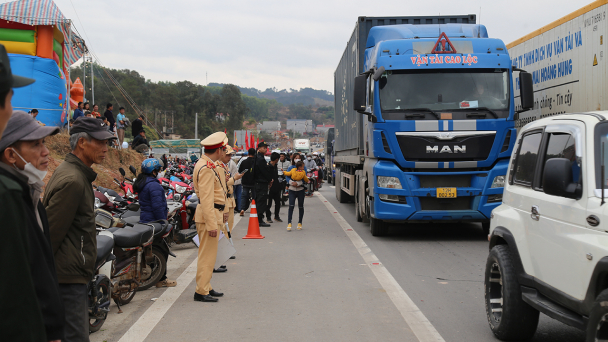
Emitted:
<point x="70" y="203"/>
<point x="248" y="181"/>
<point x="110" y="116"/>
<point x="20" y="318"/>
<point x="137" y="125"/>
<point x="140" y="143"/>
<point x="263" y="180"/>
<point x="276" y="189"/>
<point x="22" y="143"/>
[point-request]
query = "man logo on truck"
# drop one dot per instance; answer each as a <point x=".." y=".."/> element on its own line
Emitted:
<point x="446" y="149"/>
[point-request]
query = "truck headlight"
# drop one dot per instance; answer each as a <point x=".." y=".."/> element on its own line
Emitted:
<point x="389" y="182"/>
<point x="498" y="182"/>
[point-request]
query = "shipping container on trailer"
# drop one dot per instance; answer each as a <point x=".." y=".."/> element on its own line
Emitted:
<point x="566" y="59"/>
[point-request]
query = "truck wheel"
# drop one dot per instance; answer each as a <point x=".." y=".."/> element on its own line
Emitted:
<point x="485" y="227"/>
<point x="597" y="328"/>
<point x="509" y="317"/>
<point x="377" y="227"/>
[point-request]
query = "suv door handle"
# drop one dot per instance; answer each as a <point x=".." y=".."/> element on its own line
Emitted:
<point x="535" y="213"/>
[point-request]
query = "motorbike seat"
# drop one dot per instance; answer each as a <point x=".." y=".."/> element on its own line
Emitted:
<point x="130" y="213"/>
<point x="131" y="219"/>
<point x="160" y="227"/>
<point x="132" y="236"/>
<point x="104" y="248"/>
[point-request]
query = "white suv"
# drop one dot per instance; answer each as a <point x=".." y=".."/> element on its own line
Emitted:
<point x="549" y="238"/>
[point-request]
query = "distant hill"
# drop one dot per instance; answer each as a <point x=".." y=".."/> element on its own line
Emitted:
<point x="305" y="96"/>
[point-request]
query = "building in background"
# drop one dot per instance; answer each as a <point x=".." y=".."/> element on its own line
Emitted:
<point x="269" y="126"/>
<point x="323" y="128"/>
<point x="300" y="126"/>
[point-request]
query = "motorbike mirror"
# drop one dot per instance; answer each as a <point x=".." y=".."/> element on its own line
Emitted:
<point x="132" y="169"/>
<point x="133" y="206"/>
<point x="122" y="171"/>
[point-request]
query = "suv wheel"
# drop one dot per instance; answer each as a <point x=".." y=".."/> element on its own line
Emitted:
<point x="510" y="318"/>
<point x="597" y="328"/>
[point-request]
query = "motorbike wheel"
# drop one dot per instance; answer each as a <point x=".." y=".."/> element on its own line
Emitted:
<point x="102" y="289"/>
<point x="125" y="298"/>
<point x="158" y="264"/>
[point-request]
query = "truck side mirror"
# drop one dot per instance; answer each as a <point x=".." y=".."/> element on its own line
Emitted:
<point x="558" y="180"/>
<point x="360" y="94"/>
<point x="526" y="91"/>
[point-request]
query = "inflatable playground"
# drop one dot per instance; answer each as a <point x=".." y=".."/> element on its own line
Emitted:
<point x="41" y="45"/>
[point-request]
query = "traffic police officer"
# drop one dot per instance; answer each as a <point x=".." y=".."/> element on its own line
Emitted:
<point x="209" y="185"/>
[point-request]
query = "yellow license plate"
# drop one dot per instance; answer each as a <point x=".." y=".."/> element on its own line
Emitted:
<point x="446" y="192"/>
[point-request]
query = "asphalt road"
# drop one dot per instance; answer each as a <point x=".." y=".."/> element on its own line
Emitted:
<point x="441" y="267"/>
<point x="315" y="285"/>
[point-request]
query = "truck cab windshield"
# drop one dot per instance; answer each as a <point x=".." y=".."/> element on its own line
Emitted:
<point x="446" y="94"/>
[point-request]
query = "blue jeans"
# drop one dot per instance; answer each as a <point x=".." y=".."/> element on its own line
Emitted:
<point x="238" y="189"/>
<point x="248" y="193"/>
<point x="292" y="203"/>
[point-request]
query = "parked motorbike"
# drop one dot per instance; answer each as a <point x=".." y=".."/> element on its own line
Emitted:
<point x="132" y="248"/>
<point x="99" y="289"/>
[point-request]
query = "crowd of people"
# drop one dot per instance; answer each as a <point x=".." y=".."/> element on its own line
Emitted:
<point x="115" y="125"/>
<point x="266" y="182"/>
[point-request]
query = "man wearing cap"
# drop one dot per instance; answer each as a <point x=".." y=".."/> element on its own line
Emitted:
<point x="21" y="317"/>
<point x="25" y="160"/>
<point x="70" y="203"/>
<point x="263" y="180"/>
<point x="209" y="216"/>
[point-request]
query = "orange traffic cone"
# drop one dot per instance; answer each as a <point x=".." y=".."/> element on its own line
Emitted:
<point x="253" y="231"/>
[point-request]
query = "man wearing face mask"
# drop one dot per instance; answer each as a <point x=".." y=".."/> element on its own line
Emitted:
<point x="70" y="203"/>
<point x="25" y="159"/>
<point x="311" y="166"/>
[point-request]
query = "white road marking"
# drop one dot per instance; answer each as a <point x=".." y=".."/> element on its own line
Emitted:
<point x="420" y="325"/>
<point x="144" y="325"/>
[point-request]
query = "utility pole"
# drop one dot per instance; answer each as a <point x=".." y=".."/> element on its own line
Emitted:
<point x="84" y="77"/>
<point x="92" y="82"/>
<point x="195" y="125"/>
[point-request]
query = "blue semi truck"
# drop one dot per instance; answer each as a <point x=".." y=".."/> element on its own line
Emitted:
<point x="424" y="126"/>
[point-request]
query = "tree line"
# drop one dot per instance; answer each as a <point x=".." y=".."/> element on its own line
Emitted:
<point x="174" y="104"/>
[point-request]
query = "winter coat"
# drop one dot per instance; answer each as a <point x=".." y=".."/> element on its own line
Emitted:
<point x="152" y="201"/>
<point x="300" y="185"/>
<point x="247" y="164"/>
<point x="21" y="318"/>
<point x="70" y="205"/>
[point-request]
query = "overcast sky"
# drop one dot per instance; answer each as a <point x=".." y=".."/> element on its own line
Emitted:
<point x="265" y="43"/>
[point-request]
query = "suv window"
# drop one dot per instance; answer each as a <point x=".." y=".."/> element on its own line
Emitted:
<point x="561" y="145"/>
<point x="525" y="162"/>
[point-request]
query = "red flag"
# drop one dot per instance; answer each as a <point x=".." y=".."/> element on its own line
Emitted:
<point x="252" y="142"/>
<point x="246" y="140"/>
<point x="224" y="131"/>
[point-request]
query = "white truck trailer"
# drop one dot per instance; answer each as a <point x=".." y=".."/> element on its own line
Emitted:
<point x="566" y="59"/>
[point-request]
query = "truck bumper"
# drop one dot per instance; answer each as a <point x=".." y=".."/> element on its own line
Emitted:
<point x="418" y="200"/>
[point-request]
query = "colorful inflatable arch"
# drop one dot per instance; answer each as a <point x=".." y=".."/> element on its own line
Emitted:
<point x="41" y="45"/>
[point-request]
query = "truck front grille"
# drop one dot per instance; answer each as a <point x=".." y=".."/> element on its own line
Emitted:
<point x="434" y="203"/>
<point x="464" y="148"/>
